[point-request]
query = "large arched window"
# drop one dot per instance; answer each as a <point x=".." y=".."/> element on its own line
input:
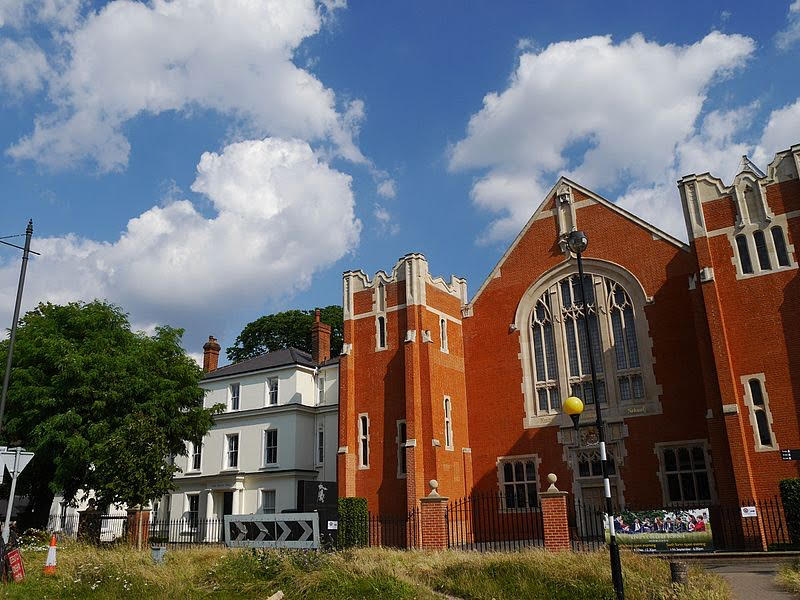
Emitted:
<point x="558" y="348"/>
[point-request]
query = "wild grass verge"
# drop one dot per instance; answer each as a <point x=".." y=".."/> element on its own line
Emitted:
<point x="789" y="577"/>
<point x="123" y="573"/>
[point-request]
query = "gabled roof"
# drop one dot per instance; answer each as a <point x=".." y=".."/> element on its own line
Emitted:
<point x="597" y="198"/>
<point x="270" y="360"/>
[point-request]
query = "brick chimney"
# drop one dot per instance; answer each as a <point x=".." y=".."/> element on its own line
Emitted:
<point x="320" y="340"/>
<point x="210" y="354"/>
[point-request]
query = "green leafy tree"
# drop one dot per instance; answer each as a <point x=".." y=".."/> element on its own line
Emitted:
<point x="285" y="329"/>
<point x="100" y="405"/>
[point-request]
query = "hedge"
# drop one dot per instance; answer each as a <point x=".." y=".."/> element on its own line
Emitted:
<point x="790" y="494"/>
<point x="353" y="525"/>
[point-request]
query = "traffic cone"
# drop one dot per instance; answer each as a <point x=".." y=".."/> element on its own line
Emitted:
<point x="50" y="563"/>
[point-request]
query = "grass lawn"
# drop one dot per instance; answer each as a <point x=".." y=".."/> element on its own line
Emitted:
<point x="122" y="573"/>
<point x="789" y="577"/>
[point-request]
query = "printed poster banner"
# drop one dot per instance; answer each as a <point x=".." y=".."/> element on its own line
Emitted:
<point x="284" y="530"/>
<point x="663" y="530"/>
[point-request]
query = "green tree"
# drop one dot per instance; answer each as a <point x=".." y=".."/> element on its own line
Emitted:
<point x="100" y="405"/>
<point x="285" y="329"/>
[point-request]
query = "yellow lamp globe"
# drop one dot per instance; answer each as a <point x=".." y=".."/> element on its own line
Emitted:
<point x="573" y="406"/>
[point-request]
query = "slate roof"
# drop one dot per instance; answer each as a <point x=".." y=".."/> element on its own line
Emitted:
<point x="270" y="360"/>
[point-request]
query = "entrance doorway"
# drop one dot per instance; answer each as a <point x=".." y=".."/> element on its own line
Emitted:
<point x="227" y="503"/>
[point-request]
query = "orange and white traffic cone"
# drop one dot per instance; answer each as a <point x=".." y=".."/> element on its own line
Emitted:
<point x="50" y="563"/>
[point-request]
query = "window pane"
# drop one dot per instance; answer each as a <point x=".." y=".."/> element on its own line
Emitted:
<point x="521" y="494"/>
<point x="670" y="464"/>
<point x="638" y="387"/>
<point x="509" y="494"/>
<point x="538" y="352"/>
<point x="744" y="254"/>
<point x="550" y="350"/>
<point x="555" y="400"/>
<point x="508" y="472"/>
<point x="612" y="466"/>
<point x="755" y="392"/>
<point x="566" y="296"/>
<point x="698" y="458"/>
<point x="532" y="494"/>
<point x="583" y="468"/>
<point x="542" y="393"/>
<point x="687" y="486"/>
<point x="594" y="331"/>
<point x="674" y="488"/>
<point x="519" y="473"/>
<point x="763" y="428"/>
<point x="530" y="471"/>
<point x="684" y="462"/>
<point x="630" y="338"/>
<point x="572" y="348"/>
<point x="780" y="246"/>
<point x="624" y="389"/>
<point x="597" y="467"/>
<point x="619" y="341"/>
<point x="703" y="489"/>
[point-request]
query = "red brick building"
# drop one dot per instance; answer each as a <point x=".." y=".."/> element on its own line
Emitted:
<point x="695" y="345"/>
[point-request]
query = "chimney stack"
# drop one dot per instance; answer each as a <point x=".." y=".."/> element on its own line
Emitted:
<point x="320" y="340"/>
<point x="210" y="354"/>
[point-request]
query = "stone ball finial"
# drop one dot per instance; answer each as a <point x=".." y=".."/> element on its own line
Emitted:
<point x="551" y="477"/>
<point x="434" y="487"/>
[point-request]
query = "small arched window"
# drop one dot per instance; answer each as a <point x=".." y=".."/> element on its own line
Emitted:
<point x="760" y="410"/>
<point x="780" y="246"/>
<point x="744" y="254"/>
<point x="381" y="323"/>
<point x="443" y="334"/>
<point x="761" y="250"/>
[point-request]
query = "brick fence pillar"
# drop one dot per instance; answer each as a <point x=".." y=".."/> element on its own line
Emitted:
<point x="433" y="519"/>
<point x="554" y="518"/>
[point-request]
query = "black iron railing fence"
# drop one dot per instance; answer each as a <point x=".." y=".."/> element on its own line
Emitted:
<point x="394" y="531"/>
<point x="493" y="521"/>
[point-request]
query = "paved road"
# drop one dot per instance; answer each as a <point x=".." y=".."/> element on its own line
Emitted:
<point x="752" y="580"/>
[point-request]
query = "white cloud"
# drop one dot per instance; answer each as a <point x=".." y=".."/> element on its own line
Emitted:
<point x="782" y="131"/>
<point x="59" y="14"/>
<point x="386" y="189"/>
<point x="790" y="35"/>
<point x="23" y="67"/>
<point x="234" y="57"/>
<point x="281" y="216"/>
<point x="600" y="112"/>
<point x="384" y="219"/>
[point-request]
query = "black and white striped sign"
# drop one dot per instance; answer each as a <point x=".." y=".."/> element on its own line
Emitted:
<point x="288" y="530"/>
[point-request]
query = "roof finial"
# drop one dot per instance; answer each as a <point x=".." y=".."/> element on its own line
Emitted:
<point x="749" y="165"/>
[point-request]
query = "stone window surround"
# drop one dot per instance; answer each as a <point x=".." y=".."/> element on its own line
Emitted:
<point x="261" y="500"/>
<point x="747" y="230"/>
<point x="658" y="448"/>
<point x="190" y="526"/>
<point x="362" y="464"/>
<point x="443" y="335"/>
<point x="501" y="460"/>
<point x="238" y="397"/>
<point x="612" y="408"/>
<point x="225" y="466"/>
<point x="751" y="410"/>
<point x="277" y="381"/>
<point x="191" y="452"/>
<point x="264" y="463"/>
<point x="448" y="422"/>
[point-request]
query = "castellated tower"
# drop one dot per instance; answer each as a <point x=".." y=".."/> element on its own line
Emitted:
<point x="403" y="416"/>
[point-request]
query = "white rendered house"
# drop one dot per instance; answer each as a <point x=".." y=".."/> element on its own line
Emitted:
<point x="280" y="425"/>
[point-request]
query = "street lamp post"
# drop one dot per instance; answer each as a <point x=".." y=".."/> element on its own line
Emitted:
<point x="577" y="242"/>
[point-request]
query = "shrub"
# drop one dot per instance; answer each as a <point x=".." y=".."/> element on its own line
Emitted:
<point x="353" y="525"/>
<point x="790" y="494"/>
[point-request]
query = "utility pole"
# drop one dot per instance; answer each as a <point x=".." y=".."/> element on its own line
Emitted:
<point x="26" y="251"/>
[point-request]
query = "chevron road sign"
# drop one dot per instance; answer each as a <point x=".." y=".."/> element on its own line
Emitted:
<point x="286" y="530"/>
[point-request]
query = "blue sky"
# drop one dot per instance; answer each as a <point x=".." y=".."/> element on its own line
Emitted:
<point x="203" y="163"/>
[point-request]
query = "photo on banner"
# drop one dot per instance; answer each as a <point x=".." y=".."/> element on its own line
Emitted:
<point x="663" y="530"/>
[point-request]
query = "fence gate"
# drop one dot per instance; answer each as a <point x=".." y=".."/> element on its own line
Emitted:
<point x="285" y="530"/>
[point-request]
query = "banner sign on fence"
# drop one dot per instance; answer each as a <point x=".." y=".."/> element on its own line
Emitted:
<point x="749" y="512"/>
<point x="663" y="530"/>
<point x="287" y="530"/>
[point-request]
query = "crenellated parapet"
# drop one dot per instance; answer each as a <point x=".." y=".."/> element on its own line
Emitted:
<point x="710" y="205"/>
<point x="406" y="284"/>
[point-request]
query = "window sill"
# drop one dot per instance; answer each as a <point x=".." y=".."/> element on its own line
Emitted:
<point x="363" y="467"/>
<point x="229" y="470"/>
<point x="269" y="467"/>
